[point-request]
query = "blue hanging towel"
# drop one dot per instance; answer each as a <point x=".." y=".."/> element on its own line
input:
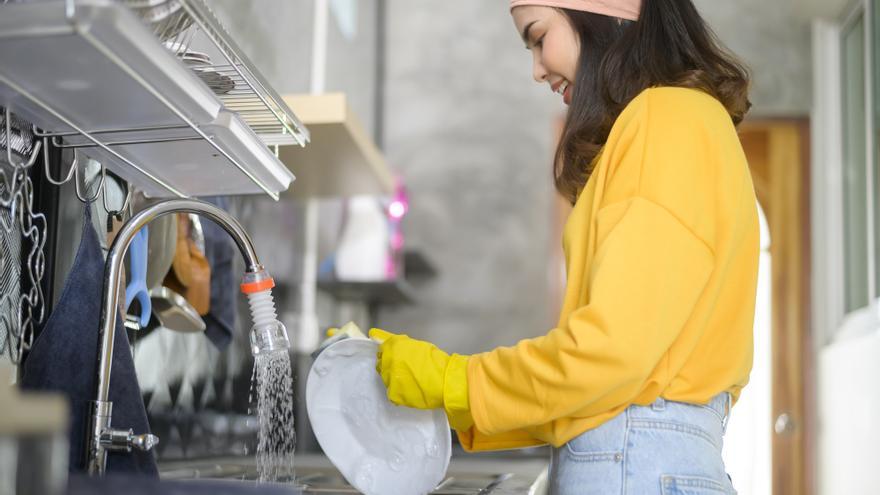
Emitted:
<point x="220" y="253"/>
<point x="64" y="358"/>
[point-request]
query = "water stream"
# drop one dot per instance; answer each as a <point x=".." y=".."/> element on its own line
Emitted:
<point x="274" y="408"/>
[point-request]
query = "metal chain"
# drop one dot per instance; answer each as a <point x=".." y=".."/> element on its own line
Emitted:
<point x="20" y="312"/>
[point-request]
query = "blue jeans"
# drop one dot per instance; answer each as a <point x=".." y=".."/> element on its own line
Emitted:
<point x="666" y="448"/>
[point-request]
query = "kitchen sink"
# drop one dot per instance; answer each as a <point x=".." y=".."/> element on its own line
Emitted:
<point x="315" y="475"/>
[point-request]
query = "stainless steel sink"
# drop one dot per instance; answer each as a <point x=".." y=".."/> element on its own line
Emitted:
<point x="315" y="475"/>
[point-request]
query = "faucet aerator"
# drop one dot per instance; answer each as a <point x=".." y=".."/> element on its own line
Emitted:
<point x="268" y="334"/>
<point x="269" y="338"/>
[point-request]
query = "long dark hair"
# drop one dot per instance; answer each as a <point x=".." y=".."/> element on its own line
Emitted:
<point x="670" y="45"/>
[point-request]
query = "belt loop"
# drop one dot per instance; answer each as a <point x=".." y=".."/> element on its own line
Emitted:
<point x="728" y="405"/>
<point x="659" y="404"/>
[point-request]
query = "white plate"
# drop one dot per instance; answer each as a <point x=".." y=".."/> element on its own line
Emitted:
<point x="379" y="448"/>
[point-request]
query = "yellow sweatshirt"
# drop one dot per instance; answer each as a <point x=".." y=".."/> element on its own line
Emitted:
<point x="661" y="254"/>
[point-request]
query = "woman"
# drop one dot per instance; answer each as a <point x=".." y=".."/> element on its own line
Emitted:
<point x="654" y="342"/>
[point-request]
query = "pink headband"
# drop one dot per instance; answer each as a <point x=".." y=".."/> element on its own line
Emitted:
<point x="625" y="9"/>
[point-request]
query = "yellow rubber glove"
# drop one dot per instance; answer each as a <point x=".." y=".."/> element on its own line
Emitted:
<point x="418" y="374"/>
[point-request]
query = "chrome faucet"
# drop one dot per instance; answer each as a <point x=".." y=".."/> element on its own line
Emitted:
<point x="268" y="335"/>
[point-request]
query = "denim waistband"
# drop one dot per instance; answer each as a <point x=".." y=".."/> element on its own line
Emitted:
<point x="711" y="418"/>
<point x="721" y="404"/>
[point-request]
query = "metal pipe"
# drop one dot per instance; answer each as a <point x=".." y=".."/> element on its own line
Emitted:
<point x="40" y="133"/>
<point x="128" y="142"/>
<point x="113" y="276"/>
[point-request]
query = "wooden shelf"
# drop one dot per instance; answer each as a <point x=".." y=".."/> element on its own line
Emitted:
<point x="341" y="159"/>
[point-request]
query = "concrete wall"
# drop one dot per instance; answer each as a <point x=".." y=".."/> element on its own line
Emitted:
<point x="773" y="38"/>
<point x="471" y="133"/>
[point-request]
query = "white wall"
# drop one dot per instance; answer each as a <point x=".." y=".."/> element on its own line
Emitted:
<point x="849" y="432"/>
<point x="747" y="442"/>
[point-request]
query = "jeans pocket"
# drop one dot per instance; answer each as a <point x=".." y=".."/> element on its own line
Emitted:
<point x="709" y="409"/>
<point x="576" y="472"/>
<point x="692" y="485"/>
<point x="580" y="456"/>
<point x="592" y="447"/>
<point x="603" y="444"/>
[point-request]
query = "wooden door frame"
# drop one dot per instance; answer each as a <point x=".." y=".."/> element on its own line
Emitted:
<point x="778" y="153"/>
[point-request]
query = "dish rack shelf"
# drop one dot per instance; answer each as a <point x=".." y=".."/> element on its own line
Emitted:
<point x="155" y="90"/>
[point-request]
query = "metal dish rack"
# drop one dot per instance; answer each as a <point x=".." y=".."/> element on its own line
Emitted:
<point x="252" y="98"/>
<point x="245" y="95"/>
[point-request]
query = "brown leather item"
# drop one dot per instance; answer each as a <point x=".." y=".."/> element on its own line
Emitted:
<point x="190" y="274"/>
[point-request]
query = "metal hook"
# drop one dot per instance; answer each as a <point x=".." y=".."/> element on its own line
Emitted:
<point x="70" y="172"/>
<point x="17" y="165"/>
<point x="13" y="188"/>
<point x="80" y="194"/>
<point x="125" y="202"/>
<point x="7" y="308"/>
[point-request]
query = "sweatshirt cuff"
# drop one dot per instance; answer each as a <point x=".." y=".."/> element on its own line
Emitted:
<point x="455" y="393"/>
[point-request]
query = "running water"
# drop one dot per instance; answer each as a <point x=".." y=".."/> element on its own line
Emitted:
<point x="274" y="405"/>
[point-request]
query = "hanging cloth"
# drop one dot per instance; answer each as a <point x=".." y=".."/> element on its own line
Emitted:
<point x="64" y="358"/>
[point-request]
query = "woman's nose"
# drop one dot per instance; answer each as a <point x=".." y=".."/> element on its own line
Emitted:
<point x="538" y="70"/>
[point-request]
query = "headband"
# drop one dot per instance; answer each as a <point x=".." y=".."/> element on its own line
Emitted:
<point x="625" y="9"/>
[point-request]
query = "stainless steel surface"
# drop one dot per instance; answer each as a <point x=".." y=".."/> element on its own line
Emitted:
<point x="119" y="130"/>
<point x="18" y="166"/>
<point x="99" y="421"/>
<point x="197" y="233"/>
<point x="175" y="312"/>
<point x="18" y="136"/>
<point x="162" y="244"/>
<point x="112" y="278"/>
<point x="127" y="69"/>
<point x="44" y="107"/>
<point x="144" y="442"/>
<point x="73" y="174"/>
<point x="166" y="18"/>
<point x="469" y="475"/>
<point x="200" y="63"/>
<point x="126" y="200"/>
<point x="60" y="144"/>
<point x="126" y="440"/>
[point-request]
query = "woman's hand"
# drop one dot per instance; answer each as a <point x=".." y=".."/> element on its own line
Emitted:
<point x="418" y="374"/>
